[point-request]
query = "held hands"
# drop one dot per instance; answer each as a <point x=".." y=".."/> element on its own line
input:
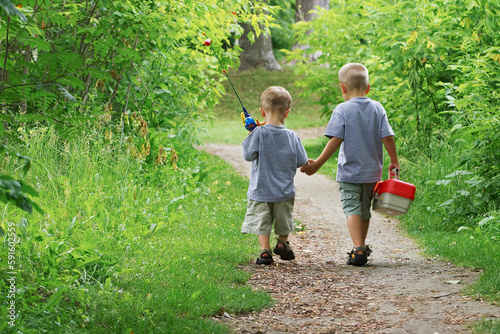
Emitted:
<point x="310" y="167"/>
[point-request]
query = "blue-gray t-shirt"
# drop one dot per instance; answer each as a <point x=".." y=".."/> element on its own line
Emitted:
<point x="275" y="152"/>
<point x="362" y="123"/>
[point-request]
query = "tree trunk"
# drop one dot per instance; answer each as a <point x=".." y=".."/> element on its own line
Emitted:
<point x="303" y="12"/>
<point x="259" y="54"/>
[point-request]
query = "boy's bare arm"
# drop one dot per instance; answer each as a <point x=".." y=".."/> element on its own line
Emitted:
<point x="390" y="146"/>
<point x="330" y="148"/>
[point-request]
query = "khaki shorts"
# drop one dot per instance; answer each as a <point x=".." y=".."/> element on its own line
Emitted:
<point x="356" y="198"/>
<point x="261" y="215"/>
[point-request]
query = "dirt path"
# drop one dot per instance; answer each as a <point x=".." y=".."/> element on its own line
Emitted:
<point x="399" y="291"/>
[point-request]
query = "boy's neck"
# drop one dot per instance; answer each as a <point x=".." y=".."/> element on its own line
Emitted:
<point x="351" y="95"/>
<point x="274" y="119"/>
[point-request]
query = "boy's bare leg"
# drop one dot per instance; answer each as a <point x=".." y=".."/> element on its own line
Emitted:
<point x="365" y="224"/>
<point x="358" y="228"/>
<point x="264" y="241"/>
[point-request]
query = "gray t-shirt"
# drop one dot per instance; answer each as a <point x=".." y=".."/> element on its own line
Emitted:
<point x="275" y="152"/>
<point x="362" y="123"/>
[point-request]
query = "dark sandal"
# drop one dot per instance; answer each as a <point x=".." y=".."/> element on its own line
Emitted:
<point x="265" y="260"/>
<point x="285" y="252"/>
<point x="357" y="259"/>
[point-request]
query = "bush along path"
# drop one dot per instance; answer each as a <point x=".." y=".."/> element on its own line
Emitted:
<point x="398" y="291"/>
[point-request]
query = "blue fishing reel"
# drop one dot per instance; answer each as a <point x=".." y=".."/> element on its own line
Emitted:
<point x="248" y="121"/>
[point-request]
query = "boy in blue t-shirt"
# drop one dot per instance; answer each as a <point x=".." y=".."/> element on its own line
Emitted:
<point x="275" y="152"/>
<point x="358" y="126"/>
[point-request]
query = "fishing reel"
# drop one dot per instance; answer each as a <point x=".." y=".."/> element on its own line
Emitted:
<point x="249" y="122"/>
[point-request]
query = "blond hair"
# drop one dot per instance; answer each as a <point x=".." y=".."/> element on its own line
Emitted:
<point x="354" y="76"/>
<point x="276" y="99"/>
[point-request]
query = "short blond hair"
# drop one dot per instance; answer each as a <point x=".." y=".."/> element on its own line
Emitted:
<point x="276" y="99"/>
<point x="354" y="76"/>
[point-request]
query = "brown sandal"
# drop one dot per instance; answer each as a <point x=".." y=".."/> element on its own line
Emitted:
<point x="265" y="260"/>
<point x="285" y="252"/>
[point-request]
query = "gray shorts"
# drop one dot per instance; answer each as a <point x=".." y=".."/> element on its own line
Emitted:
<point x="357" y="198"/>
<point x="261" y="215"/>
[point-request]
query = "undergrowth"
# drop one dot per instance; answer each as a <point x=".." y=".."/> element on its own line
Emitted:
<point x="125" y="246"/>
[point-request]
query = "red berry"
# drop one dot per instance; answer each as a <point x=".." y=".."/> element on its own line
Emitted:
<point x="207" y="42"/>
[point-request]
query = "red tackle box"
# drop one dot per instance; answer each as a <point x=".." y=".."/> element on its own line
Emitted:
<point x="393" y="197"/>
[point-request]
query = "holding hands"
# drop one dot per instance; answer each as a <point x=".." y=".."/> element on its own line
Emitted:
<point x="310" y="167"/>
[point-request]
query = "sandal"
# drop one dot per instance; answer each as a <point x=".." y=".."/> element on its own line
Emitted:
<point x="285" y="252"/>
<point x="368" y="250"/>
<point x="358" y="259"/>
<point x="265" y="260"/>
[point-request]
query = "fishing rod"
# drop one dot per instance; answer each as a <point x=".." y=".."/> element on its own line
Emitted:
<point x="249" y="121"/>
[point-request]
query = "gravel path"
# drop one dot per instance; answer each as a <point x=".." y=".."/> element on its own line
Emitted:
<point x="398" y="291"/>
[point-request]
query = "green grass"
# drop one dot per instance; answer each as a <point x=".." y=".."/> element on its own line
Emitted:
<point x="490" y="326"/>
<point x="125" y="247"/>
<point x="227" y="126"/>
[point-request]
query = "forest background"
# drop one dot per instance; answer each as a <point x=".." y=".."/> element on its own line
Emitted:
<point x="109" y="221"/>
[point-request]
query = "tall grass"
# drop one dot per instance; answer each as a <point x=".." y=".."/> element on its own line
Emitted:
<point x="126" y="247"/>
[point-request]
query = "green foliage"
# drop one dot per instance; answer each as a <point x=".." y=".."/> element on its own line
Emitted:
<point x="14" y="191"/>
<point x="282" y="36"/>
<point x="105" y="96"/>
<point x="126" y="245"/>
<point x="73" y="61"/>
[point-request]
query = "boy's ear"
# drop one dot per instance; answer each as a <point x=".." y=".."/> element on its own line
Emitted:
<point x="367" y="89"/>
<point x="344" y="90"/>
<point x="262" y="112"/>
<point x="286" y="113"/>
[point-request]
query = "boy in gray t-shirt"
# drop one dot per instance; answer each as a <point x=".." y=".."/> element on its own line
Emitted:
<point x="275" y="152"/>
<point x="358" y="126"/>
